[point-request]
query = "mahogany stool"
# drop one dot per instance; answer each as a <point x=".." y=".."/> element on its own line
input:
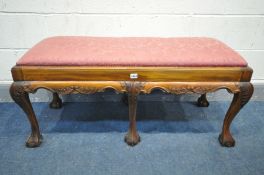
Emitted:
<point x="131" y="65"/>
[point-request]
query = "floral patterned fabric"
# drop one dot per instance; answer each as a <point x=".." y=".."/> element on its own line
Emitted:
<point x="131" y="51"/>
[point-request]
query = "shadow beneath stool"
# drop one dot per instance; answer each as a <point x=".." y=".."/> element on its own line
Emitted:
<point x="152" y="116"/>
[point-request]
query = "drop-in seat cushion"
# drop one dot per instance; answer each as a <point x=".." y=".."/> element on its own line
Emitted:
<point x="131" y="51"/>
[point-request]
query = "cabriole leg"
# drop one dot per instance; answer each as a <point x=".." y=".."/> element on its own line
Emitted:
<point x="202" y="101"/>
<point x="20" y="96"/>
<point x="239" y="100"/>
<point x="56" y="102"/>
<point x="132" y="137"/>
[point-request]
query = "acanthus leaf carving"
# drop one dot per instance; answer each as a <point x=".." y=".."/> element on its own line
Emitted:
<point x="72" y="89"/>
<point x="17" y="91"/>
<point x="76" y="89"/>
<point x="133" y="86"/>
<point x="247" y="90"/>
<point x="190" y="89"/>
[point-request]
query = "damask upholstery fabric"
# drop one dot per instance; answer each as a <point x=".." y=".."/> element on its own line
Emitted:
<point x="131" y="51"/>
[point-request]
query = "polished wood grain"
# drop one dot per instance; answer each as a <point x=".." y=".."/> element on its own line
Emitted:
<point x="84" y="73"/>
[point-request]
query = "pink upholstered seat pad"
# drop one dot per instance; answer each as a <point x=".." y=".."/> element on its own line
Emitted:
<point x="134" y="51"/>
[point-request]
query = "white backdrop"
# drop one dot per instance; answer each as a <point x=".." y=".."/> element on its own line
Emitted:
<point x="239" y="23"/>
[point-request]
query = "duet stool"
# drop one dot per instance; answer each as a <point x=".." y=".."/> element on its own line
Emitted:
<point x="131" y="65"/>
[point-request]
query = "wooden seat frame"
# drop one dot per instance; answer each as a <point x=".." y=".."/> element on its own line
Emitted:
<point x="87" y="80"/>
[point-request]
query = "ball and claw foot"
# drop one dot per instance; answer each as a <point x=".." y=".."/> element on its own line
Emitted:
<point x="202" y="101"/>
<point x="132" y="140"/>
<point x="56" y="102"/>
<point x="34" y="141"/>
<point x="229" y="142"/>
<point x="55" y="105"/>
